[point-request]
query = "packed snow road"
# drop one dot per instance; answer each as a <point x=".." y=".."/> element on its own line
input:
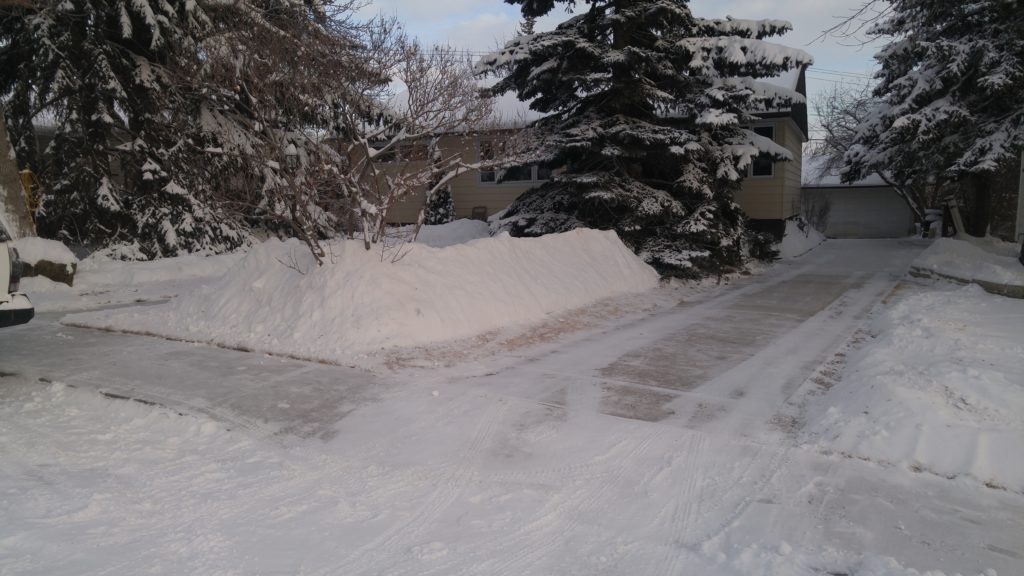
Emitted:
<point x="664" y="444"/>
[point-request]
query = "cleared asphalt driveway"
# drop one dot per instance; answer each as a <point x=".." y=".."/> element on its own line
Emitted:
<point x="751" y="342"/>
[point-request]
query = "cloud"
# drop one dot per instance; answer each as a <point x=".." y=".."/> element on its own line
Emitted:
<point x="481" y="33"/>
<point x="419" y="11"/>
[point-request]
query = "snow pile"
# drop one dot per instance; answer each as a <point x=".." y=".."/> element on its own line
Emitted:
<point x="987" y="260"/>
<point x="455" y="232"/>
<point x="938" y="391"/>
<point x="277" y="300"/>
<point x="800" y="238"/>
<point x="33" y="250"/>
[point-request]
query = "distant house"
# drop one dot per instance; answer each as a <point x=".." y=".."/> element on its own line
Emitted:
<point x="867" y="208"/>
<point x="770" y="193"/>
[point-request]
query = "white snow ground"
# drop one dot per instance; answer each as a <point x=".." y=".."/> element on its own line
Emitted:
<point x="101" y="282"/>
<point x="799" y="239"/>
<point x="938" y="388"/>
<point x="667" y="443"/>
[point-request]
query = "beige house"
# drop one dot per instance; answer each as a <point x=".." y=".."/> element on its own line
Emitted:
<point x="770" y="192"/>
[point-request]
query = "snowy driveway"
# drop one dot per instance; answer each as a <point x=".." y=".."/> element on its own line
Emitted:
<point x="663" y="445"/>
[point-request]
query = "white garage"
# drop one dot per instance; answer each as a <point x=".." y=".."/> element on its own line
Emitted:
<point x="865" y="209"/>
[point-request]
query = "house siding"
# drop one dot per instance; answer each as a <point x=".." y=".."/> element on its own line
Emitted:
<point x="763" y="198"/>
<point x="468" y="192"/>
<point x="776" y="197"/>
<point x="793" y="141"/>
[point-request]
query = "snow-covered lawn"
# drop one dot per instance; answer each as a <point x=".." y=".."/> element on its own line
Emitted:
<point x="101" y="281"/>
<point x="278" y="300"/>
<point x="799" y="239"/>
<point x="938" y="388"/>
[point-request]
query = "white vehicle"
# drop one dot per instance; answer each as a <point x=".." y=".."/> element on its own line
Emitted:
<point x="15" y="307"/>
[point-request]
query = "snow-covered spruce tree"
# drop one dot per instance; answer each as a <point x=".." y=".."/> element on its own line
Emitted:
<point x="105" y="72"/>
<point x="174" y="118"/>
<point x="950" y="87"/>
<point x="438" y="206"/>
<point x="441" y="209"/>
<point x="645" y="106"/>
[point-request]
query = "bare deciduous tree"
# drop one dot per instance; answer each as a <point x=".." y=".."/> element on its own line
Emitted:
<point x="397" y="153"/>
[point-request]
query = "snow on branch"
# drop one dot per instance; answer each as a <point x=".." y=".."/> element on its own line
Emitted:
<point x="743" y="28"/>
<point x="745" y="56"/>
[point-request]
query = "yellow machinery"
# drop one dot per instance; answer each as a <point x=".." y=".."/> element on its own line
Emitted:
<point x="30" y="184"/>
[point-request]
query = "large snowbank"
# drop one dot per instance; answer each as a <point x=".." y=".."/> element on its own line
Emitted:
<point x="278" y="300"/>
<point x="940" y="390"/>
<point x="799" y="239"/>
<point x="33" y="250"/>
<point x="988" y="260"/>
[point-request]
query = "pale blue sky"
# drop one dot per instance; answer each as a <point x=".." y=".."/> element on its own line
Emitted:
<point x="480" y="25"/>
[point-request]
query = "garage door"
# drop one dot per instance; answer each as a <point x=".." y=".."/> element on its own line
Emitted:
<point x="865" y="213"/>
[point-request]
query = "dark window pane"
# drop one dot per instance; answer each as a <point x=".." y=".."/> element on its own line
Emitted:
<point x="518" y="174"/>
<point x="763" y="165"/>
<point x="766" y="131"/>
<point x="543" y="173"/>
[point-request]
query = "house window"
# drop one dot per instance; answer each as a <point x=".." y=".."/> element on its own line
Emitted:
<point x="489" y="150"/>
<point x="763" y="165"/>
<point x="402" y="152"/>
<point x="413" y="151"/>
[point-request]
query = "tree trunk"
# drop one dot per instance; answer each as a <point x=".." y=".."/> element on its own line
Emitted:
<point x="982" y="213"/>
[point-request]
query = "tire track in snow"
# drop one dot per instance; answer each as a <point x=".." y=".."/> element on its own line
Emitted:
<point x="547" y="526"/>
<point x="685" y="522"/>
<point x="509" y="552"/>
<point x="368" y="558"/>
